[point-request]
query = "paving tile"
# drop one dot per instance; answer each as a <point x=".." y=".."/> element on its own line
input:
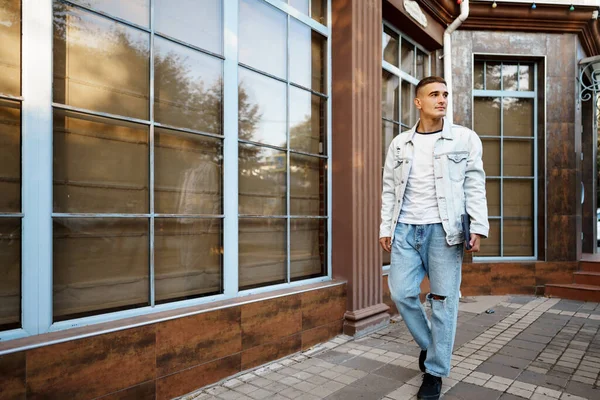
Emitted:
<point x="498" y="370"/>
<point x="397" y="373"/>
<point x="509" y="361"/>
<point x="550" y="381"/>
<point x="363" y="364"/>
<point x="467" y="391"/>
<point x="583" y="390"/>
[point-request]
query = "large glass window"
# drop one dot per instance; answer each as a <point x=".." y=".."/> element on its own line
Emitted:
<point x="404" y="65"/>
<point x="282" y="148"/>
<point x="138" y="150"/>
<point x="10" y="164"/>
<point x="170" y="156"/>
<point x="504" y="116"/>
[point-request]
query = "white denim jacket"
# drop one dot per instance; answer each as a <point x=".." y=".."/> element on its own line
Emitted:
<point x="459" y="181"/>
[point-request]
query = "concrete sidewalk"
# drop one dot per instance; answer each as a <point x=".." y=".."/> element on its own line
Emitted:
<point x="529" y="348"/>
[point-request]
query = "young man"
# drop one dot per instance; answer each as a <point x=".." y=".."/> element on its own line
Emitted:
<point x="433" y="174"/>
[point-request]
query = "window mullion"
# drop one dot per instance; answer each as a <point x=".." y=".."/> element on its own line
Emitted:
<point x="37" y="33"/>
<point x="230" y="150"/>
<point x="288" y="161"/>
<point x="151" y="159"/>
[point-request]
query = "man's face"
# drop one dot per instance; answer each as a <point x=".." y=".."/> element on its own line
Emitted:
<point x="432" y="100"/>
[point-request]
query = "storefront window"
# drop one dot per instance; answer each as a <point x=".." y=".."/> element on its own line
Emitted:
<point x="169" y="156"/>
<point x="506" y="124"/>
<point x="137" y="183"/>
<point x="10" y="165"/>
<point x="282" y="148"/>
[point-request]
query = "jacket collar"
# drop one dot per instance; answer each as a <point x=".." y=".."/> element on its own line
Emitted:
<point x="446" y="131"/>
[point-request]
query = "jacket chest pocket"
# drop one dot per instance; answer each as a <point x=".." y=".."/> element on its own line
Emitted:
<point x="457" y="165"/>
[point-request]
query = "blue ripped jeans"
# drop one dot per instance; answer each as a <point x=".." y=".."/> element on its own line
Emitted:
<point x="419" y="250"/>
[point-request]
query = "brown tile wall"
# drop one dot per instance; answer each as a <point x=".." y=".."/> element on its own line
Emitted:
<point x="171" y="358"/>
<point x="480" y="279"/>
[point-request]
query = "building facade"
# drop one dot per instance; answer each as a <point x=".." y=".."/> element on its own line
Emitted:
<point x="191" y="191"/>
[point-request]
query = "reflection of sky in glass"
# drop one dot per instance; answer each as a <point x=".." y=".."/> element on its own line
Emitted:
<point x="196" y="22"/>
<point x="136" y="11"/>
<point x="524" y="82"/>
<point x="262" y="37"/>
<point x="492" y="76"/>
<point x="95" y="32"/>
<point x="300" y="53"/>
<point x="195" y="65"/>
<point x="270" y="97"/>
<point x="509" y="76"/>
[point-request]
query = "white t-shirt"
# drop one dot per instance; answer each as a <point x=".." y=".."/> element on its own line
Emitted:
<point x="420" y="205"/>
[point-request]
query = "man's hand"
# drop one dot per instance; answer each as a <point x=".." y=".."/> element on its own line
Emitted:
<point x="475" y="242"/>
<point x="386" y="243"/>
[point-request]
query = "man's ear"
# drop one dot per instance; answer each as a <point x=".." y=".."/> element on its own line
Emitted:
<point x="418" y="103"/>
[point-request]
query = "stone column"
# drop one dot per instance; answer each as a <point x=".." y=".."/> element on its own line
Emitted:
<point x="357" y="160"/>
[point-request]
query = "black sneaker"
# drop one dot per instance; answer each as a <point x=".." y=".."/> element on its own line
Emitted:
<point x="422" y="358"/>
<point x="430" y="388"/>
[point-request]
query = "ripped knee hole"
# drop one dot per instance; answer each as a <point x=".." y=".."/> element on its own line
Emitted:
<point x="437" y="297"/>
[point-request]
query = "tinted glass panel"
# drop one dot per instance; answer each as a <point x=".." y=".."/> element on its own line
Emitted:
<point x="408" y="57"/>
<point x="491" y="156"/>
<point x="262" y="108"/>
<point x="422" y="65"/>
<point x="526" y="77"/>
<point x="10" y="272"/>
<point x="307" y="121"/>
<point x="307" y="56"/>
<point x="262" y="252"/>
<point x="100" y="265"/>
<point x="493" y="74"/>
<point x="518" y="198"/>
<point x="198" y="23"/>
<point x="478" y="75"/>
<point x="390" y="96"/>
<point x="518" y="157"/>
<point x="100" y="64"/>
<point x="307" y="248"/>
<point x="10" y="156"/>
<point x="262" y="180"/>
<point x="510" y="76"/>
<point x="390" y="41"/>
<point x="136" y="11"/>
<point x="10" y="50"/>
<point x="408" y="108"/>
<point x="518" y="116"/>
<point x="262" y="37"/>
<point x="487" y="116"/>
<point x="518" y="237"/>
<point x="492" y="194"/>
<point x="389" y="131"/>
<point x="188" y="173"/>
<point x="188" y="88"/>
<point x="491" y="245"/>
<point x="308" y="183"/>
<point x="319" y="11"/>
<point x="188" y="258"/>
<point x="100" y="165"/>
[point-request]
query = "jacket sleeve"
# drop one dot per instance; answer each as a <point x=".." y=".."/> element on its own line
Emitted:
<point x="474" y="187"/>
<point x="388" y="195"/>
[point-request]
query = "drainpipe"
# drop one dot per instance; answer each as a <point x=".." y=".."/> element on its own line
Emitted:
<point x="464" y="13"/>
